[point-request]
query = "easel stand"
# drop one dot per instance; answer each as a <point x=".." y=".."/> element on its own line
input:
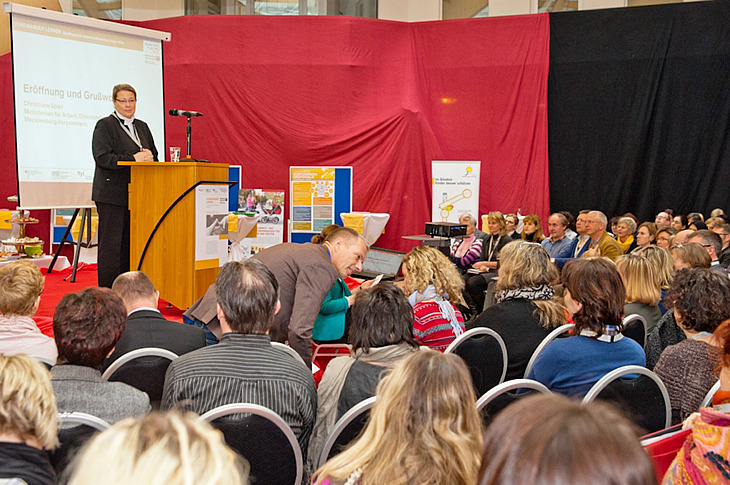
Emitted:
<point x="85" y="223"/>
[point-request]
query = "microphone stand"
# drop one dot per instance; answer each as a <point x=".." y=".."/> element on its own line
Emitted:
<point x="189" y="136"/>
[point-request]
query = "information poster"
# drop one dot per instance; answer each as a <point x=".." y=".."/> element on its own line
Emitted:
<point x="211" y="226"/>
<point x="455" y="189"/>
<point x="269" y="206"/>
<point x="318" y="195"/>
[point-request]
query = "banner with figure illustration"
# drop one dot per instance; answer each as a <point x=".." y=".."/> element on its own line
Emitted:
<point x="268" y="205"/>
<point x="455" y="189"/>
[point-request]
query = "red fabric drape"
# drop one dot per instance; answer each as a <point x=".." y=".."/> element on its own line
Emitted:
<point x="383" y="97"/>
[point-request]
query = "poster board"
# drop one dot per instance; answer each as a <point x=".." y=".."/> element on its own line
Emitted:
<point x="317" y="197"/>
<point x="211" y="226"/>
<point x="455" y="189"/>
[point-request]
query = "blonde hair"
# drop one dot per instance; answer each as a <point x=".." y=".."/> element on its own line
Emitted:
<point x="526" y="265"/>
<point x="423" y="428"/>
<point x="428" y="266"/>
<point x="496" y="216"/>
<point x="168" y="448"/>
<point x="21" y="283"/>
<point x="641" y="279"/>
<point x="322" y="236"/>
<point x="28" y="408"/>
<point x="538" y="232"/>
<point x="662" y="262"/>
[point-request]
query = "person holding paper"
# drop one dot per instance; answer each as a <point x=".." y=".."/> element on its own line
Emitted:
<point x="119" y="137"/>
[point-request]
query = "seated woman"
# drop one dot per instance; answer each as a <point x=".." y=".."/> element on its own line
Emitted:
<point x="477" y="281"/>
<point x="679" y="223"/>
<point x="87" y="326"/>
<point x="594" y="296"/>
<point x="641" y="280"/>
<point x="645" y="235"/>
<point x="466" y="251"/>
<point x="664" y="265"/>
<point x="532" y="229"/>
<point x="168" y="448"/>
<point x="21" y="285"/>
<point x="665" y="237"/>
<point x="27" y="420"/>
<point x="526" y="310"/>
<point x="625" y="229"/>
<point x="381" y="336"/>
<point x="701" y="301"/>
<point x="433" y="285"/>
<point x="423" y="428"/>
<point x="689" y="255"/>
<point x="703" y="459"/>
<point x="546" y="440"/>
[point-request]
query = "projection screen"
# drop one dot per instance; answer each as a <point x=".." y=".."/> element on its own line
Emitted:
<point x="64" y="69"/>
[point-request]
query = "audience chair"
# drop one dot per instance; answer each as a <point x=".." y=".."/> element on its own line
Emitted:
<point x="643" y="398"/>
<point x="74" y="429"/>
<point x="143" y="369"/>
<point x="635" y="328"/>
<point x="330" y="351"/>
<point x="496" y="399"/>
<point x="346" y="429"/>
<point x="558" y="332"/>
<point x="485" y="353"/>
<point x="293" y="353"/>
<point x="707" y="400"/>
<point x="263" y="438"/>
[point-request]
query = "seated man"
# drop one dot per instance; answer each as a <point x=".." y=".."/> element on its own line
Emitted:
<point x="86" y="326"/>
<point x="712" y="244"/>
<point x="146" y="327"/>
<point x="244" y="367"/>
<point x="21" y="284"/>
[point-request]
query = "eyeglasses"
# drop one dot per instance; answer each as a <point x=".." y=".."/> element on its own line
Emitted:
<point x="126" y="101"/>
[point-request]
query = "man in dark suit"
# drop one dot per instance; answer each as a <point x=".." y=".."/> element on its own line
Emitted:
<point x="146" y="327"/>
<point x="117" y="138"/>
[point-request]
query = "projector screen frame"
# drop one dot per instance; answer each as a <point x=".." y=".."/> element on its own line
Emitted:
<point x="86" y="23"/>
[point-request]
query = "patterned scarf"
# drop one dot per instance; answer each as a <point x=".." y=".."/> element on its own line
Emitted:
<point x="539" y="292"/>
<point x="447" y="309"/>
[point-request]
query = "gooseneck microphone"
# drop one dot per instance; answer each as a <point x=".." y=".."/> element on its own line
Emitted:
<point x="179" y="112"/>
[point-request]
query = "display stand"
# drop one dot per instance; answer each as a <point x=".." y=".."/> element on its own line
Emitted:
<point x="162" y="226"/>
<point x="79" y="243"/>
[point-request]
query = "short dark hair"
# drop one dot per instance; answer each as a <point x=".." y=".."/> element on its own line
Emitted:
<point x="552" y="439"/>
<point x="597" y="284"/>
<point x="247" y="292"/>
<point x="87" y="326"/>
<point x="694" y="216"/>
<point x="133" y="286"/>
<point x="708" y="238"/>
<point x="381" y="316"/>
<point x="702" y="298"/>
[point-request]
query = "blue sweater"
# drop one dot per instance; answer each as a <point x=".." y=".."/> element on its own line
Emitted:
<point x="572" y="365"/>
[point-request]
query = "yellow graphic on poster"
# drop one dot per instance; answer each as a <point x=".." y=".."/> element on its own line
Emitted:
<point x="455" y="189"/>
<point x="313" y="199"/>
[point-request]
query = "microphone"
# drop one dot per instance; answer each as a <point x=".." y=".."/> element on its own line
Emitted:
<point x="179" y="112"/>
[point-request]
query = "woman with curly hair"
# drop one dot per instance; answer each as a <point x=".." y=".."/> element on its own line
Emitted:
<point x="433" y="285"/>
<point x="423" y="428"/>
<point x="701" y="301"/>
<point x="532" y="229"/>
<point x="525" y="311"/>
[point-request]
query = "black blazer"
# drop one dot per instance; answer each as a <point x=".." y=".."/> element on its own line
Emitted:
<point x="146" y="328"/>
<point x="112" y="144"/>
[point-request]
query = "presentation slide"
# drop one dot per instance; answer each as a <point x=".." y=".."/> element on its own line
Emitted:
<point x="63" y="75"/>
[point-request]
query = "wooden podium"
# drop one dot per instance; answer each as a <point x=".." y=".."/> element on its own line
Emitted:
<point x="170" y="257"/>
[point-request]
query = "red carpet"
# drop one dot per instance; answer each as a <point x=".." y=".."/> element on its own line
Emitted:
<point x="55" y="288"/>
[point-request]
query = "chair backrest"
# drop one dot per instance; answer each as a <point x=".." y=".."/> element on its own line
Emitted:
<point x="72" y="438"/>
<point x="330" y="350"/>
<point x="561" y="330"/>
<point x="644" y="399"/>
<point x="289" y="351"/>
<point x="263" y="438"/>
<point x="635" y="328"/>
<point x="346" y="429"/>
<point x="143" y="369"/>
<point x="707" y="400"/>
<point x="496" y="399"/>
<point x="485" y="354"/>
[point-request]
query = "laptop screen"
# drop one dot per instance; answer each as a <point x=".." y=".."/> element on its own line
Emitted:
<point x="382" y="261"/>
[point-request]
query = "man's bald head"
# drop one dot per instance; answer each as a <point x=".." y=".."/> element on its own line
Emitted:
<point x="136" y="290"/>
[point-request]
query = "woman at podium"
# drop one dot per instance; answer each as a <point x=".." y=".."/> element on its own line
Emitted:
<point x="119" y="137"/>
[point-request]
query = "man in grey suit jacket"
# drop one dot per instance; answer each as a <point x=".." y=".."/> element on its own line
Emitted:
<point x="306" y="273"/>
<point x="146" y="327"/>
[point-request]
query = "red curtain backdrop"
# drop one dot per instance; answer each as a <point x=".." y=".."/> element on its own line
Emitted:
<point x="383" y="97"/>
